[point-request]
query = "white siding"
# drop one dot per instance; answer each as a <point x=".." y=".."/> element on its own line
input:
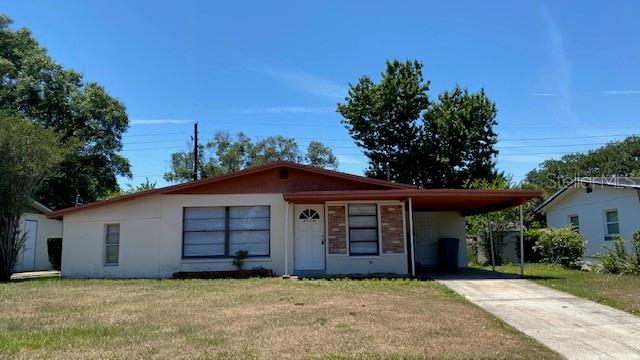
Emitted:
<point x="590" y="208"/>
<point x="46" y="228"/>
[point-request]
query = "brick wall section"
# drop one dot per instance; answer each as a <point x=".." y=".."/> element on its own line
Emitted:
<point x="391" y="217"/>
<point x="337" y="228"/>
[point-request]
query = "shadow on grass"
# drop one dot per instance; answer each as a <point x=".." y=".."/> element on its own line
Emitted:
<point x="471" y="273"/>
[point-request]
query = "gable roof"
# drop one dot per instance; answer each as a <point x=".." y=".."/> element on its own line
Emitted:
<point x="192" y="186"/>
<point x="584" y="182"/>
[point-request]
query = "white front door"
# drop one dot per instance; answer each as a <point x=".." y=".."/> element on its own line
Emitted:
<point x="424" y="235"/>
<point x="29" y="249"/>
<point x="309" y="237"/>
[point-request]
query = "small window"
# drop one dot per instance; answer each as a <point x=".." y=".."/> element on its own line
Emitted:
<point x="363" y="229"/>
<point x="611" y="223"/>
<point x="112" y="244"/>
<point x="574" y="221"/>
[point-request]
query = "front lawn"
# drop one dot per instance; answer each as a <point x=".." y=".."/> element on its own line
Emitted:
<point x="255" y="318"/>
<point x="619" y="291"/>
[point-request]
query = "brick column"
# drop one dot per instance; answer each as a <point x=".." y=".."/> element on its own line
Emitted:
<point x="337" y="228"/>
<point x="391" y="217"/>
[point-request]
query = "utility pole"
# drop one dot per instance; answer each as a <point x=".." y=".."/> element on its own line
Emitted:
<point x="195" y="151"/>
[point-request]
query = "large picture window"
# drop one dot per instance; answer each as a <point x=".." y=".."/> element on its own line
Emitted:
<point x="222" y="231"/>
<point x="363" y="229"/>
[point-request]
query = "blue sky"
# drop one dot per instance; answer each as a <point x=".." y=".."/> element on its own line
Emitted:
<point x="564" y="75"/>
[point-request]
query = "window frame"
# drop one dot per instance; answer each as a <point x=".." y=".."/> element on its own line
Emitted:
<point x="377" y="229"/>
<point x="227" y="232"/>
<point x="570" y="223"/>
<point x="105" y="245"/>
<point x="607" y="235"/>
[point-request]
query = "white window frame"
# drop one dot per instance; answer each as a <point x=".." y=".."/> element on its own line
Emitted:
<point x="106" y="232"/>
<point x="607" y="235"/>
<point x="574" y="227"/>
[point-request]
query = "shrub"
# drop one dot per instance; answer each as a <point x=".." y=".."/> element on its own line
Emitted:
<point x="617" y="260"/>
<point x="238" y="259"/>
<point x="560" y="246"/>
<point x="54" y="250"/>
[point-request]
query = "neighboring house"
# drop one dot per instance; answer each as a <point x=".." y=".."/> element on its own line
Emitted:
<point x="38" y="228"/>
<point x="599" y="208"/>
<point x="291" y="218"/>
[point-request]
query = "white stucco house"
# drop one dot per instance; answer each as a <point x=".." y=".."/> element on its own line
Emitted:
<point x="599" y="208"/>
<point x="38" y="228"/>
<point x="290" y="218"/>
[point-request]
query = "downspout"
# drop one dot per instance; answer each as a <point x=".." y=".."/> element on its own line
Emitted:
<point x="413" y="253"/>
<point x="286" y="238"/>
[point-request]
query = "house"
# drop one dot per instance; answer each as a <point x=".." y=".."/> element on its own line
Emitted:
<point x="38" y="228"/>
<point x="290" y="218"/>
<point x="599" y="208"/>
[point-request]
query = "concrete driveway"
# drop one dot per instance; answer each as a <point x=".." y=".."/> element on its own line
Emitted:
<point x="574" y="327"/>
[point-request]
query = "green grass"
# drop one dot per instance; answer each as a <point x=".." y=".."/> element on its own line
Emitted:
<point x="252" y="318"/>
<point x="618" y="291"/>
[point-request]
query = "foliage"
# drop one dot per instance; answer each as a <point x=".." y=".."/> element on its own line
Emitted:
<point x="54" y="250"/>
<point x="30" y="153"/>
<point x="34" y="86"/>
<point x="145" y="186"/>
<point x="321" y="156"/>
<point x="617" y="261"/>
<point x="239" y="258"/>
<point x="225" y="153"/>
<point x="409" y="139"/>
<point x="617" y="158"/>
<point x="563" y="246"/>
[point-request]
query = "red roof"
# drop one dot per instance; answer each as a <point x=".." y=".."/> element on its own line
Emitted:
<point x="341" y="180"/>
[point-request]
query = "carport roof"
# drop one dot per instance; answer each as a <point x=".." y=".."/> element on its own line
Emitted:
<point x="467" y="201"/>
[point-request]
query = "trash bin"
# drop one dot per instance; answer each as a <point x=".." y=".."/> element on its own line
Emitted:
<point x="448" y="254"/>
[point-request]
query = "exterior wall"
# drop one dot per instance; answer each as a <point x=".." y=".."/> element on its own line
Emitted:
<point x="337" y="229"/>
<point x="46" y="228"/>
<point x="590" y="208"/>
<point x="151" y="237"/>
<point x="431" y="226"/>
<point x="385" y="262"/>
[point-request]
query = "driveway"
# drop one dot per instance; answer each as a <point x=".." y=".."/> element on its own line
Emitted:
<point x="574" y="327"/>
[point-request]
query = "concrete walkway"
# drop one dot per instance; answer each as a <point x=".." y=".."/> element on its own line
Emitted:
<point x="35" y="274"/>
<point x="574" y="327"/>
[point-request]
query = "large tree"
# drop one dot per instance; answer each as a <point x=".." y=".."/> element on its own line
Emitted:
<point x="407" y="138"/>
<point x="29" y="154"/>
<point x="34" y="86"/>
<point x="617" y="158"/>
<point x="225" y="153"/>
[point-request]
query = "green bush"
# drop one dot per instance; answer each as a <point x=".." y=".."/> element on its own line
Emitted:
<point x="560" y="246"/>
<point x="617" y="260"/>
<point x="238" y="259"/>
<point x="54" y="250"/>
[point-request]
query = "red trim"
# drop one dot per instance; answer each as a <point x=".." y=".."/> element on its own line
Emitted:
<point x="252" y="170"/>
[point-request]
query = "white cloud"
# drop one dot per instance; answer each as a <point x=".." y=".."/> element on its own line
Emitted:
<point x="545" y="94"/>
<point x="621" y="92"/>
<point x="158" y="121"/>
<point x="289" y="110"/>
<point x="352" y="160"/>
<point x="306" y="82"/>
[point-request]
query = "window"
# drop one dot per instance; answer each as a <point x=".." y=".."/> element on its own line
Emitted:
<point x="223" y="231"/>
<point x="574" y="221"/>
<point x="112" y="244"/>
<point x="611" y="223"/>
<point x="363" y="229"/>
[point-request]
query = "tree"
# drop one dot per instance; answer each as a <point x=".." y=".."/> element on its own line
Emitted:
<point x="225" y="153"/>
<point x="409" y="139"/>
<point x="321" y="156"/>
<point x="30" y="154"/>
<point x="145" y="186"/>
<point x="617" y="158"/>
<point x="34" y="86"/>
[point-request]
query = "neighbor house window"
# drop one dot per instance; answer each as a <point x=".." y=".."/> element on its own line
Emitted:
<point x="574" y="221"/>
<point x="363" y="229"/>
<point x="112" y="244"/>
<point x="611" y="223"/>
<point x="222" y="231"/>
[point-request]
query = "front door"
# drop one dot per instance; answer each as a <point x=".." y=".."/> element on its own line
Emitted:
<point x="29" y="249"/>
<point x="424" y="235"/>
<point x="309" y="237"/>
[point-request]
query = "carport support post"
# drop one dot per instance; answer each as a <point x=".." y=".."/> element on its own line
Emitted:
<point x="286" y="238"/>
<point x="521" y="243"/>
<point x="493" y="257"/>
<point x="413" y="253"/>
